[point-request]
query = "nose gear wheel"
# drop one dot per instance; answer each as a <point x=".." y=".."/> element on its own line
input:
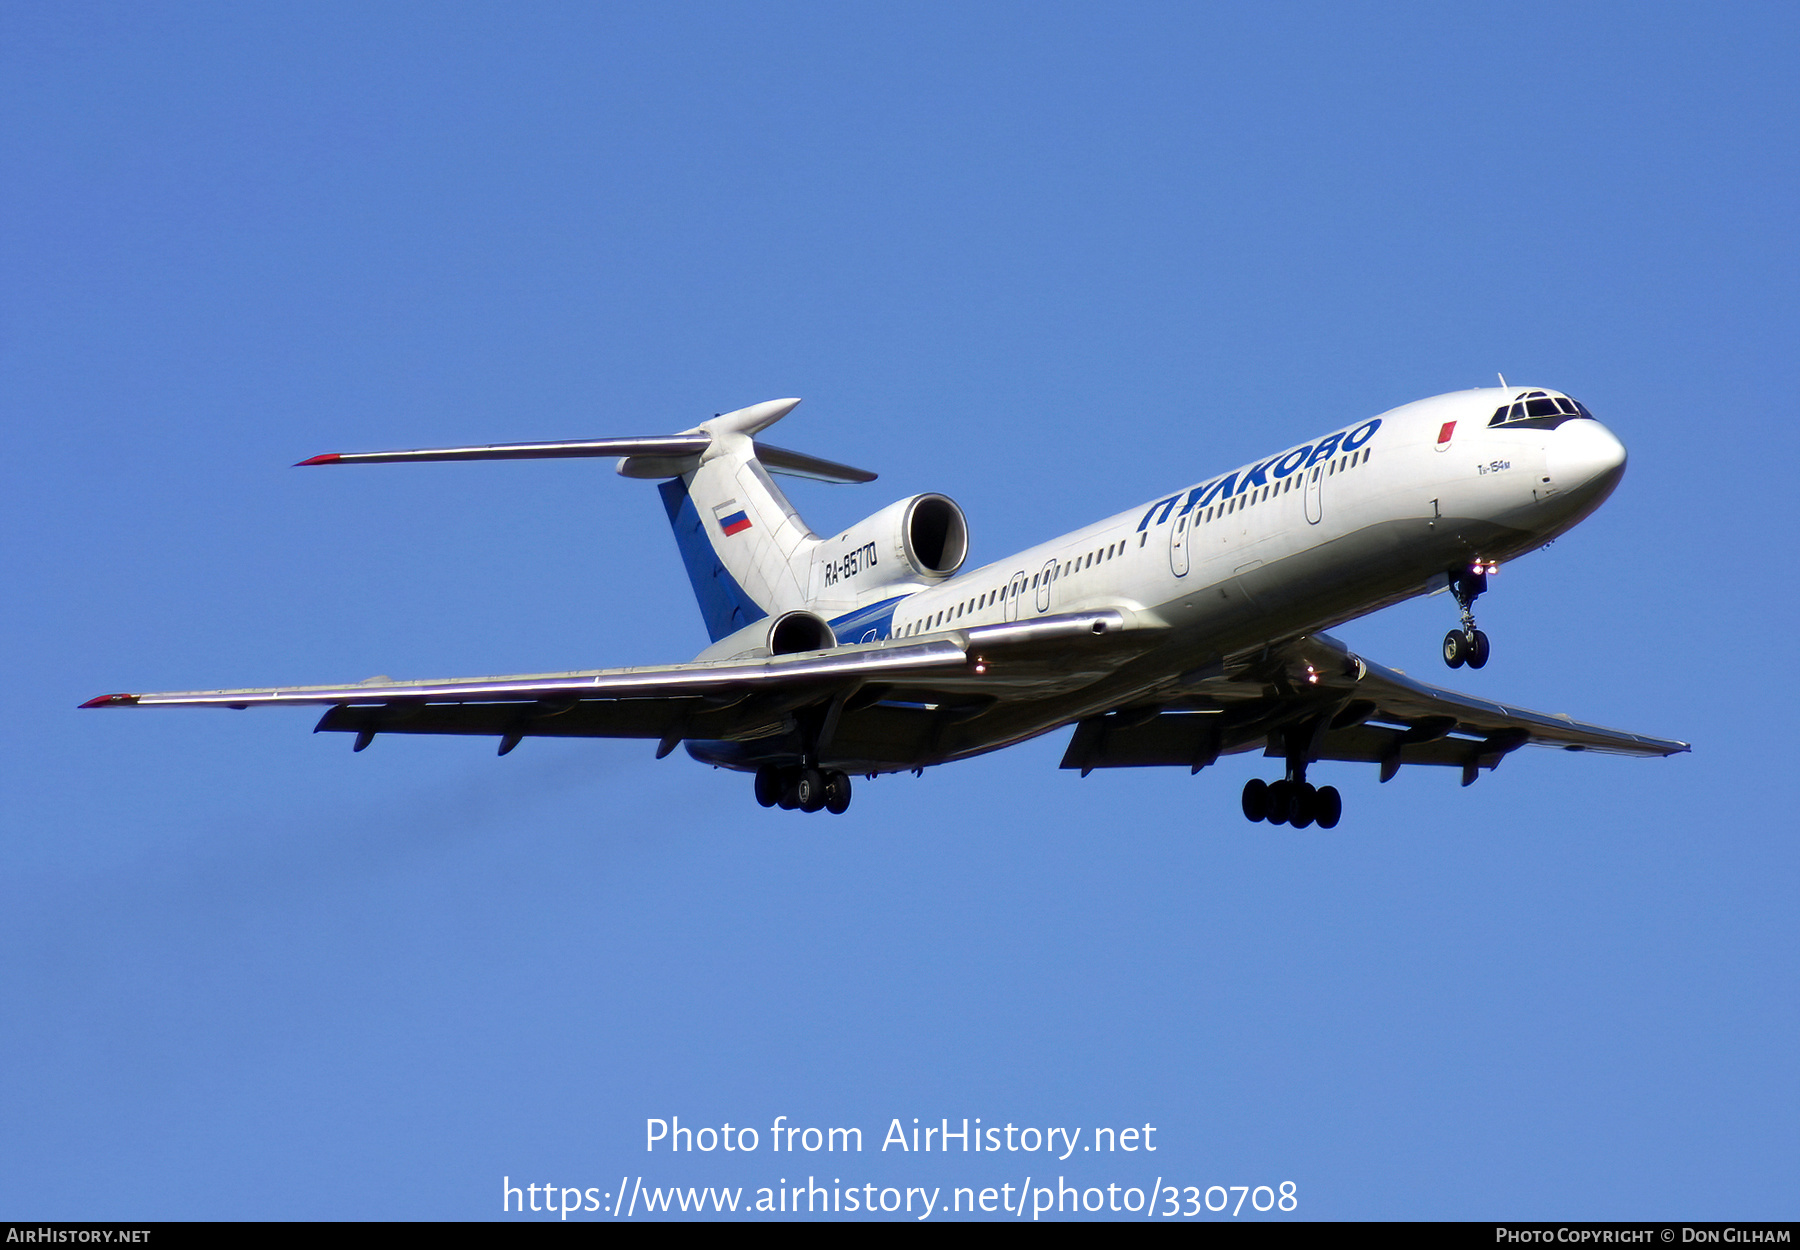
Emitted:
<point x="1468" y="645"/>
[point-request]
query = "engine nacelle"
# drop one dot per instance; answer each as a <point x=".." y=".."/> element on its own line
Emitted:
<point x="800" y="631"/>
<point x="922" y="539"/>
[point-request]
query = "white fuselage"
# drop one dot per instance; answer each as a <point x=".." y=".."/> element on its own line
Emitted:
<point x="1400" y="507"/>
<point x="1320" y="533"/>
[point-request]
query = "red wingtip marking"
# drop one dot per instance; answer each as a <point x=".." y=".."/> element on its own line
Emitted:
<point x="329" y="457"/>
<point x="111" y="700"/>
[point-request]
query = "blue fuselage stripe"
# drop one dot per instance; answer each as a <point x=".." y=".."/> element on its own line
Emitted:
<point x="877" y="617"/>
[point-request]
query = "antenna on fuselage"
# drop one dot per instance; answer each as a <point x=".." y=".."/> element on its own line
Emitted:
<point x="1502" y="378"/>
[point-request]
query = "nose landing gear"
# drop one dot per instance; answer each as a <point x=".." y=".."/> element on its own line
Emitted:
<point x="1468" y="645"/>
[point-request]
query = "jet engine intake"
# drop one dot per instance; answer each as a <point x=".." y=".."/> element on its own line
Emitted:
<point x="936" y="535"/>
<point x="921" y="539"/>
<point x="800" y="631"/>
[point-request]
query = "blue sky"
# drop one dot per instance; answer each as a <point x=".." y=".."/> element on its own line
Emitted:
<point x="1047" y="259"/>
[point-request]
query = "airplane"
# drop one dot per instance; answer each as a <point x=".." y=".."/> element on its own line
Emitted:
<point x="1170" y="634"/>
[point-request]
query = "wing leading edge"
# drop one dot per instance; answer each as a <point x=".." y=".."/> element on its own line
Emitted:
<point x="723" y="699"/>
<point x="698" y="679"/>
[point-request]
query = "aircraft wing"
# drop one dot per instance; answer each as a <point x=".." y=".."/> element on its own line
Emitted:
<point x="729" y="698"/>
<point x="1314" y="698"/>
<point x="737" y="699"/>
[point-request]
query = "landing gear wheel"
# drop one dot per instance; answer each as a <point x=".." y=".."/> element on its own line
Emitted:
<point x="1328" y="807"/>
<point x="1302" y="802"/>
<point x="1278" y="802"/>
<point x="809" y="791"/>
<point x="1478" y="649"/>
<point x="790" y="793"/>
<point x="1456" y="648"/>
<point x="837" y="793"/>
<point x="1256" y="800"/>
<point x="768" y="785"/>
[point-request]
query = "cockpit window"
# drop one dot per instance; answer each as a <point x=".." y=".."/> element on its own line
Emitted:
<point x="1540" y="410"/>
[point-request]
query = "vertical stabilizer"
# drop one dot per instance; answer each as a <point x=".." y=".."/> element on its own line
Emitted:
<point x="746" y="549"/>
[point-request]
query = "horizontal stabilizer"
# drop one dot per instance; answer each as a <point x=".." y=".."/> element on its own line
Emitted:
<point x="799" y="464"/>
<point x="653" y="445"/>
<point x="651" y="456"/>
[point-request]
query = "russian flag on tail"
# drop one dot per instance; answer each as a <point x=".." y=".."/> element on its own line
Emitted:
<point x="731" y="518"/>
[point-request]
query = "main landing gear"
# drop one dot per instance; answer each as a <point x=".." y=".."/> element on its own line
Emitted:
<point x="1292" y="802"/>
<point x="809" y="789"/>
<point x="1468" y="645"/>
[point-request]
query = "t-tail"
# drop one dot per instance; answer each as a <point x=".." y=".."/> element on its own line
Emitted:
<point x="763" y="579"/>
<point x="748" y="553"/>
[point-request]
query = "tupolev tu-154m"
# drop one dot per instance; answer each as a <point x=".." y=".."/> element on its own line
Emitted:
<point x="1172" y="633"/>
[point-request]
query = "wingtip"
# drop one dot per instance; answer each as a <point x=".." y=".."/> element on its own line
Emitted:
<point x="330" y="457"/>
<point x="111" y="700"/>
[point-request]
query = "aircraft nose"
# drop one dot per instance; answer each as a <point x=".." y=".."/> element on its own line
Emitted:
<point x="1585" y="456"/>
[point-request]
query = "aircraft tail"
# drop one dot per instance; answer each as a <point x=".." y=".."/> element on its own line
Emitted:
<point x="747" y="552"/>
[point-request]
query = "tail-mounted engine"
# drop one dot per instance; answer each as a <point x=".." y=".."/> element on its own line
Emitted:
<point x="922" y="539"/>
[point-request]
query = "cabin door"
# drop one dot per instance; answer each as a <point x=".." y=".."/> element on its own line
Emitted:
<point x="1014" y="593"/>
<point x="1043" y="586"/>
<point x="1178" y="545"/>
